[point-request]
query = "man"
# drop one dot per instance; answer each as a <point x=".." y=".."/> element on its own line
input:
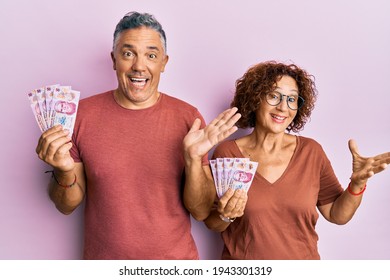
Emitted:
<point x="128" y="153"/>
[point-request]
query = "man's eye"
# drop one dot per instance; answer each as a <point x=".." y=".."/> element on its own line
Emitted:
<point x="152" y="56"/>
<point x="128" y="54"/>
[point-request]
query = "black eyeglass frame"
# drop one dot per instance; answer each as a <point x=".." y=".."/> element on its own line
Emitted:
<point x="301" y="100"/>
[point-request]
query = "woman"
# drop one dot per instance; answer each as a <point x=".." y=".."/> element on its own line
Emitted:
<point x="294" y="176"/>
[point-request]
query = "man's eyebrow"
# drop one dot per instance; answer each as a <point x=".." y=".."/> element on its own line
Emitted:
<point x="129" y="46"/>
<point x="153" y="48"/>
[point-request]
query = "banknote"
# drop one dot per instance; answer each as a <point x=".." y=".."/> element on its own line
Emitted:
<point x="53" y="105"/>
<point x="234" y="173"/>
<point x="242" y="174"/>
<point x="65" y="103"/>
<point x="49" y="93"/>
<point x="36" y="108"/>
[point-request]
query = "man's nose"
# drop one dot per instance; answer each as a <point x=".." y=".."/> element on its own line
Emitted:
<point x="139" y="64"/>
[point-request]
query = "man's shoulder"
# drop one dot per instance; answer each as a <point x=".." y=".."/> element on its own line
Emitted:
<point x="96" y="99"/>
<point x="177" y="103"/>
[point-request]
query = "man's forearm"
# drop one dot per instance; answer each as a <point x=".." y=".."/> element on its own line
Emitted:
<point x="65" y="191"/>
<point x="199" y="191"/>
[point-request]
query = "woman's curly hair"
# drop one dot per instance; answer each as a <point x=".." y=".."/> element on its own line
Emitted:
<point x="261" y="79"/>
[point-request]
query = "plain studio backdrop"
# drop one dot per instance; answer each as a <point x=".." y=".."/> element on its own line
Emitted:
<point x="344" y="44"/>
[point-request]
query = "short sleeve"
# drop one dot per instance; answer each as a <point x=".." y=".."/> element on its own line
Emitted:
<point x="330" y="188"/>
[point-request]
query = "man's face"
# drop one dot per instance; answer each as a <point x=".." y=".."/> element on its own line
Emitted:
<point x="63" y="107"/>
<point x="242" y="176"/>
<point x="138" y="59"/>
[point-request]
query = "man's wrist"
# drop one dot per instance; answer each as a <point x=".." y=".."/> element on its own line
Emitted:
<point x="65" y="179"/>
<point x="192" y="161"/>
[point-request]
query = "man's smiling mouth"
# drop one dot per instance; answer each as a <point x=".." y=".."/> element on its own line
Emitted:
<point x="139" y="82"/>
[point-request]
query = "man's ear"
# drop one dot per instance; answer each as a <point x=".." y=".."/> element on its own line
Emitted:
<point x="113" y="60"/>
<point x="165" y="61"/>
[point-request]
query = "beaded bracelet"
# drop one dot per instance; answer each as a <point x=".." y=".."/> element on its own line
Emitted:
<point x="61" y="185"/>
<point x="356" y="194"/>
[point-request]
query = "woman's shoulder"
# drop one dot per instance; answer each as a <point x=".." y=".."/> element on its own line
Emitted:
<point x="227" y="144"/>
<point x="309" y="143"/>
<point x="226" y="147"/>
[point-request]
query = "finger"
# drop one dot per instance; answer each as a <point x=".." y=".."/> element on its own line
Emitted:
<point x="228" y="120"/>
<point x="224" y="128"/>
<point x="379" y="168"/>
<point x="242" y="212"/>
<point x="56" y="144"/>
<point x="45" y="134"/>
<point x="62" y="158"/>
<point x="225" y="134"/>
<point x="225" y="115"/>
<point x="234" y="203"/>
<point x="195" y="126"/>
<point x="225" y="199"/>
<point x="378" y="163"/>
<point x="52" y="143"/>
<point x="229" y="113"/>
<point x="231" y="121"/>
<point x="238" y="211"/>
<point x="64" y="149"/>
<point x="383" y="158"/>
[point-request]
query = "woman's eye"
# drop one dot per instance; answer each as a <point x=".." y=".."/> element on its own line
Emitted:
<point x="292" y="99"/>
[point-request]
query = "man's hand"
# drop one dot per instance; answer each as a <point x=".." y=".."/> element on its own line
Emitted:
<point x="53" y="148"/>
<point x="198" y="142"/>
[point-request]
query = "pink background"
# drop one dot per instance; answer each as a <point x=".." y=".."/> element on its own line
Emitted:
<point x="345" y="44"/>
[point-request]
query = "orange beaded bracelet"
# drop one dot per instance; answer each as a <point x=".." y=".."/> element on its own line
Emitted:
<point x="356" y="194"/>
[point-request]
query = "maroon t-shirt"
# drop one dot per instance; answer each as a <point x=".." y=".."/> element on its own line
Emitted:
<point x="134" y="167"/>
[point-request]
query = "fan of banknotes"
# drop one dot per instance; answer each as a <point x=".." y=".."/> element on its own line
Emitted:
<point x="234" y="173"/>
<point x="54" y="105"/>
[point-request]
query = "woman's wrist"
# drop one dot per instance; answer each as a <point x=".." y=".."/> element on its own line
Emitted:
<point x="356" y="189"/>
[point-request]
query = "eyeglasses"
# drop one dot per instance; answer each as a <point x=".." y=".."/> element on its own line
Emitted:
<point x="293" y="102"/>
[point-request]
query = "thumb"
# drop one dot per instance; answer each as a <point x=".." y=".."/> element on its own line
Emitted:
<point x="195" y="126"/>
<point x="353" y="147"/>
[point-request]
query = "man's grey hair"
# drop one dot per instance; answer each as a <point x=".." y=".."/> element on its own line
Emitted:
<point x="133" y="20"/>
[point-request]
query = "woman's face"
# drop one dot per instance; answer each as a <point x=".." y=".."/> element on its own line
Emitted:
<point x="276" y="119"/>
